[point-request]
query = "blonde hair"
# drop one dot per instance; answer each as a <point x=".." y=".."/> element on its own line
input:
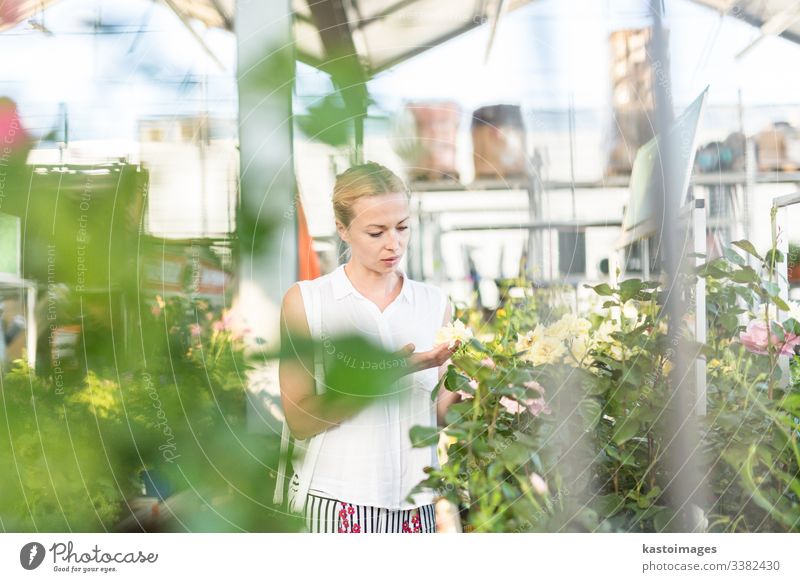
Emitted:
<point x="369" y="179"/>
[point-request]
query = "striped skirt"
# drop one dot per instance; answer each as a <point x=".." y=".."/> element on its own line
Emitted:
<point x="325" y="515"/>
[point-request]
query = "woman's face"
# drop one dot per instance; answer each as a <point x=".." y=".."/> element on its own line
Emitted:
<point x="378" y="233"/>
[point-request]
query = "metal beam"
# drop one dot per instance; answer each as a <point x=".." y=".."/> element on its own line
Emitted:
<point x="384" y="13"/>
<point x="744" y="16"/>
<point x="227" y="19"/>
<point x="419" y="49"/>
<point x="342" y="61"/>
<point x="188" y="25"/>
<point x="494" y="22"/>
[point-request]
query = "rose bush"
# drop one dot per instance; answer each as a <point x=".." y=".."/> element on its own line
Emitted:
<point x="560" y="424"/>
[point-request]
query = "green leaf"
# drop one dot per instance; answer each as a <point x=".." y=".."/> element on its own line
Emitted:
<point x="792" y="326"/>
<point x="608" y="505"/>
<point x="595" y="386"/>
<point x="745" y="275"/>
<point x="734" y="257"/>
<point x="476" y="344"/>
<point x="454" y="381"/>
<point x="591" y="411"/>
<point x="653" y="494"/>
<point x="713" y="272"/>
<point x="355" y="367"/>
<point x="747" y="247"/>
<point x="526" y="440"/>
<point x="515" y="455"/>
<point x="791" y="403"/>
<point x="777" y="329"/>
<point x="628" y="289"/>
<point x="424" y="436"/>
<point x="603" y="289"/>
<point x="509" y="492"/>
<point x="773" y="256"/>
<point x="494" y="470"/>
<point x="663" y="521"/>
<point x="780" y="303"/>
<point x="625" y="430"/>
<point x="327" y="121"/>
<point x="612" y="452"/>
<point x="729" y="322"/>
<point x="772" y="288"/>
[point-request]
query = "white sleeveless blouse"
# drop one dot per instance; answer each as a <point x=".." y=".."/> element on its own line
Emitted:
<point x="368" y="459"/>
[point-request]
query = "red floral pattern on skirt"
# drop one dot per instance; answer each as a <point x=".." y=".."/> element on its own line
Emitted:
<point x="347" y="521"/>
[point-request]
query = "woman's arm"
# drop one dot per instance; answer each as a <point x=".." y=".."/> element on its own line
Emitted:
<point x="307" y="413"/>
<point x="445" y="398"/>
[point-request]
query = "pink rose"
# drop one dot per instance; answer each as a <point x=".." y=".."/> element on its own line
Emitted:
<point x="533" y="385"/>
<point x="227" y="318"/>
<point x="466" y="395"/>
<point x="537" y="406"/>
<point x="756" y="339"/>
<point x="511" y="405"/>
<point x="538" y="484"/>
<point x="791" y="341"/>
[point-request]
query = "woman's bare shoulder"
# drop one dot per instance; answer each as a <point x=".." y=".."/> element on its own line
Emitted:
<point x="293" y="310"/>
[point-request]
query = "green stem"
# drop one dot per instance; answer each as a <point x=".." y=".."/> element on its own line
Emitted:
<point x="527" y="491"/>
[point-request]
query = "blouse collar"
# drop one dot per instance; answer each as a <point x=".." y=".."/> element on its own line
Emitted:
<point x="342" y="286"/>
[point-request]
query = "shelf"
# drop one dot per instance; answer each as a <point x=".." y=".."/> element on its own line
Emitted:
<point x="477" y="185"/>
<point x="710" y="179"/>
<point x="541" y="225"/>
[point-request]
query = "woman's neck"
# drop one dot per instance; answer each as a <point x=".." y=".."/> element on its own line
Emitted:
<point x="372" y="283"/>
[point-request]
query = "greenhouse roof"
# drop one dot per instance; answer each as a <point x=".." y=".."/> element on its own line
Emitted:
<point x="773" y="17"/>
<point x="384" y="33"/>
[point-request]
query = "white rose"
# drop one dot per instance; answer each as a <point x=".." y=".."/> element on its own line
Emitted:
<point x="570" y="326"/>
<point x="547" y="350"/>
<point x="453" y="332"/>
<point x="526" y="341"/>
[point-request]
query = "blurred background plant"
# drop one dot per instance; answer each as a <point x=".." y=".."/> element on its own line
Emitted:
<point x="83" y="448"/>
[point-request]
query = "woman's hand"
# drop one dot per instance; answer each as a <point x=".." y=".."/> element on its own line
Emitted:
<point x="431" y="359"/>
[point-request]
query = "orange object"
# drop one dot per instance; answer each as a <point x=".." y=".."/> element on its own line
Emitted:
<point x="308" y="261"/>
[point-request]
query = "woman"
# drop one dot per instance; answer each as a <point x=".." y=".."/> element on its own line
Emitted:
<point x="355" y="465"/>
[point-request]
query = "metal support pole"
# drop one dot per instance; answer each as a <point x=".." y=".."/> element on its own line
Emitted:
<point x="679" y="429"/>
<point x="700" y="325"/>
<point x="782" y="205"/>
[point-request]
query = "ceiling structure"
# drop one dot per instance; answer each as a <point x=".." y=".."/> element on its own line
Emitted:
<point x="773" y="17"/>
<point x="377" y="34"/>
<point x="384" y="33"/>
